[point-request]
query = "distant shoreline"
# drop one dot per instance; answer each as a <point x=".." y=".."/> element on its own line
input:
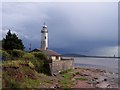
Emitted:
<point x="77" y="55"/>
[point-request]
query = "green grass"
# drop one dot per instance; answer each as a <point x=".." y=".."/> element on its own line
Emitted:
<point x="66" y="80"/>
<point x="30" y="83"/>
<point x="48" y="81"/>
<point x="65" y="71"/>
<point x="82" y="78"/>
<point x="66" y="83"/>
<point x="67" y="76"/>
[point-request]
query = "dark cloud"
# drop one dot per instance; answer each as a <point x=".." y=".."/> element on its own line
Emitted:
<point x="73" y="27"/>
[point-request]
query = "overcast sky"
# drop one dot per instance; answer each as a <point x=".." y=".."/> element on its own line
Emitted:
<point x="89" y="28"/>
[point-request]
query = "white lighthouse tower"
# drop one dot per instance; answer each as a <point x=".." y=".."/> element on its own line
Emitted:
<point x="44" y="38"/>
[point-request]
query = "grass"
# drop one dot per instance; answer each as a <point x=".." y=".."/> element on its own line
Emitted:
<point x="66" y="80"/>
<point x="66" y="83"/>
<point x="27" y="71"/>
<point x="27" y="75"/>
<point x="65" y="71"/>
<point x="30" y="83"/>
<point x="48" y="81"/>
<point x="67" y="76"/>
<point x="24" y="76"/>
<point x="81" y="78"/>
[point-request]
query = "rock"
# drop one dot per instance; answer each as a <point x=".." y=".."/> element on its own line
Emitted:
<point x="101" y="78"/>
<point x="97" y="82"/>
<point x="102" y="85"/>
<point x="55" y="86"/>
<point x="95" y="78"/>
<point x="89" y="82"/>
<point x="52" y="87"/>
<point x="105" y="79"/>
<point x="76" y="68"/>
<point x="84" y="74"/>
<point x="73" y="79"/>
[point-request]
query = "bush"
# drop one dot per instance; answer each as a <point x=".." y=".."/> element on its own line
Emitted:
<point x="4" y="55"/>
<point x="17" y="53"/>
<point x="31" y="65"/>
<point x="38" y="64"/>
<point x="39" y="55"/>
<point x="28" y="56"/>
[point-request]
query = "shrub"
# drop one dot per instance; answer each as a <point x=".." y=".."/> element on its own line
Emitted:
<point x="12" y="83"/>
<point x="38" y="64"/>
<point x="17" y="53"/>
<point x="4" y="55"/>
<point x="31" y="65"/>
<point x="39" y="55"/>
<point x="28" y="56"/>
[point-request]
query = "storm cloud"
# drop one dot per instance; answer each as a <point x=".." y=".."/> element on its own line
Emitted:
<point x="84" y="27"/>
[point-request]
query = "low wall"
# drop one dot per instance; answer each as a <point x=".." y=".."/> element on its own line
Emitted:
<point x="58" y="66"/>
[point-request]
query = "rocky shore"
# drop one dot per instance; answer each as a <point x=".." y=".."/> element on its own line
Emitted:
<point x="91" y="78"/>
<point x="96" y="78"/>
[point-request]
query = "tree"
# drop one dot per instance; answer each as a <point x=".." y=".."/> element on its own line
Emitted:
<point x="11" y="41"/>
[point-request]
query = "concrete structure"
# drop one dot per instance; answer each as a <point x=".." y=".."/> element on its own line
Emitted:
<point x="57" y="66"/>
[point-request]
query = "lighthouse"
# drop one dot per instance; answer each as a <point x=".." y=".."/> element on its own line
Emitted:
<point x="44" y="37"/>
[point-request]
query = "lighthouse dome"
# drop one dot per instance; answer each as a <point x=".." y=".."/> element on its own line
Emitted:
<point x="44" y="30"/>
<point x="44" y="26"/>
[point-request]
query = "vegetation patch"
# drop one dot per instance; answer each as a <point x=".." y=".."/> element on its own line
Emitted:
<point x="17" y="53"/>
<point x="16" y="77"/>
<point x="66" y="80"/>
<point x="67" y="76"/>
<point x="39" y="55"/>
<point x="4" y="55"/>
<point x="81" y="78"/>
<point x="48" y="81"/>
<point x="65" y="83"/>
<point x="28" y="56"/>
<point x="30" y="83"/>
<point x="65" y="71"/>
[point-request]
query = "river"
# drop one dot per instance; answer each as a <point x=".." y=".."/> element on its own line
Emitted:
<point x="108" y="64"/>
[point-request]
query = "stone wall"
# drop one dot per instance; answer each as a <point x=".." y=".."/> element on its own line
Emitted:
<point x="58" y="66"/>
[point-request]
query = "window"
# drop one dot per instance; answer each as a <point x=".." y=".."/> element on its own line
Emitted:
<point x="45" y="37"/>
<point x="57" y="57"/>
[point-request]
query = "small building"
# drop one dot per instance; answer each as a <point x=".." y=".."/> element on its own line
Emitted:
<point x="50" y="53"/>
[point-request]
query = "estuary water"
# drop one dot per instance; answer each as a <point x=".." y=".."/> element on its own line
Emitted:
<point x="108" y="64"/>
